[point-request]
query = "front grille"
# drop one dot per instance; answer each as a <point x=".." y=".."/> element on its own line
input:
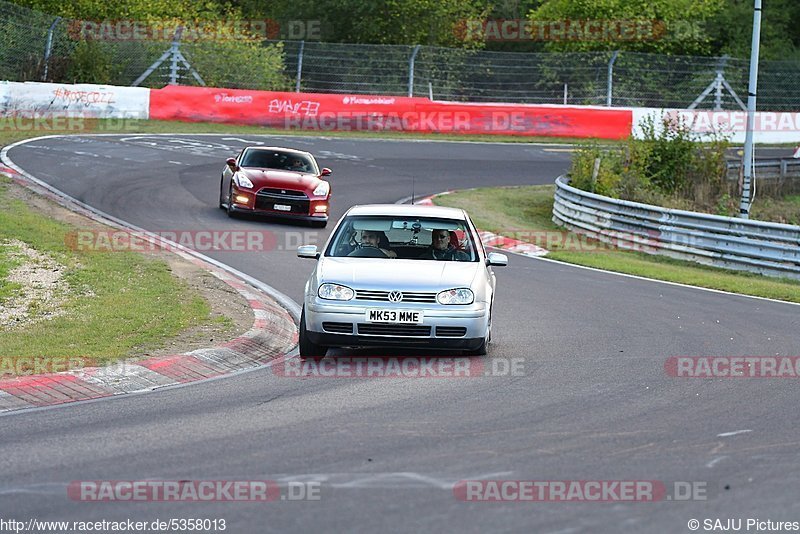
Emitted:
<point x="451" y="331"/>
<point x="271" y="191"/>
<point x="296" y="200"/>
<point x="400" y="330"/>
<point x="383" y="296"/>
<point x="338" y="328"/>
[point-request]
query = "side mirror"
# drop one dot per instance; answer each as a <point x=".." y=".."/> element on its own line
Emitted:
<point x="232" y="164"/>
<point x="325" y="172"/>
<point x="496" y="259"/>
<point x="308" y="251"/>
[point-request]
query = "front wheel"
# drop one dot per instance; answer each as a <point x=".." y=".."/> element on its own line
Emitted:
<point x="483" y="348"/>
<point x="309" y="349"/>
<point x="231" y="213"/>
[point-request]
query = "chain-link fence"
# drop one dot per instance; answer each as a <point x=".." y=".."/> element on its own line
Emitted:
<point x="38" y="47"/>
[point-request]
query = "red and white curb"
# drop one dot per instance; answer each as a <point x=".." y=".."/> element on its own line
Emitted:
<point x="273" y="334"/>
<point x="498" y="241"/>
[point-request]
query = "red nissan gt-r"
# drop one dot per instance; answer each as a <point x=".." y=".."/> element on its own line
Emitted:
<point x="274" y="181"/>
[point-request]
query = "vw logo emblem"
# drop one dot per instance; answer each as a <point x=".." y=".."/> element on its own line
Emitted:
<point x="395" y="296"/>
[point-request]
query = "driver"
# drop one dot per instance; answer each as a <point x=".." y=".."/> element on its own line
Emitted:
<point x="297" y="165"/>
<point x="377" y="239"/>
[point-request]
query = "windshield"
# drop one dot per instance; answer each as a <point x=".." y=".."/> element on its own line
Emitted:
<point x="276" y="159"/>
<point x="404" y="238"/>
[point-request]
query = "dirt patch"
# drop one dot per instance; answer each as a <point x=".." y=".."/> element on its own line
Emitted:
<point x="42" y="289"/>
<point x="230" y="314"/>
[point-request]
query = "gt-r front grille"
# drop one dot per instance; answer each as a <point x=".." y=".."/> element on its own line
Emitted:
<point x="296" y="202"/>
<point x="398" y="330"/>
<point x="275" y="192"/>
<point x="337" y="328"/>
<point x="383" y="296"/>
<point x="451" y="331"/>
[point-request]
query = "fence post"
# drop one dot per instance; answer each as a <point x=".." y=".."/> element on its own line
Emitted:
<point x="411" y="70"/>
<point x="611" y="77"/>
<point x="175" y="50"/>
<point x="49" y="48"/>
<point x="299" y="66"/>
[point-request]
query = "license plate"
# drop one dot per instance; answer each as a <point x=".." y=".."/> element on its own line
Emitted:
<point x="394" y="316"/>
<point x="282" y="207"/>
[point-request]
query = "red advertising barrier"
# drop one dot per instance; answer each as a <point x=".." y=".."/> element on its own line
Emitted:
<point x="337" y="112"/>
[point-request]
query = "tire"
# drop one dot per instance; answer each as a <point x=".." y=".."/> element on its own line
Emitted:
<point x="230" y="211"/>
<point x="483" y="348"/>
<point x="309" y="349"/>
<point x="221" y="203"/>
<point x="318" y="224"/>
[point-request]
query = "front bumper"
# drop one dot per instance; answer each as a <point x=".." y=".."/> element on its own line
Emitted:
<point x="444" y="325"/>
<point x="304" y="209"/>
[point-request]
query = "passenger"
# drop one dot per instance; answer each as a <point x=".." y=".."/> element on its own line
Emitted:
<point x="441" y="249"/>
<point x="377" y="239"/>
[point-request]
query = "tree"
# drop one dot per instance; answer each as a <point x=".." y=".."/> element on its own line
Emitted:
<point x="658" y="26"/>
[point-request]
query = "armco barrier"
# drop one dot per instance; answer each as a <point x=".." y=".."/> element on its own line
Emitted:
<point x="86" y="100"/>
<point x="761" y="247"/>
<point x="329" y="112"/>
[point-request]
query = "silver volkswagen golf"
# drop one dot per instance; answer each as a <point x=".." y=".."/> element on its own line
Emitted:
<point x="397" y="275"/>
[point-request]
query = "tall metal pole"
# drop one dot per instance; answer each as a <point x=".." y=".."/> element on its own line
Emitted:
<point x="411" y="70"/>
<point x="49" y="48"/>
<point x="299" y="66"/>
<point x="747" y="164"/>
<point x="611" y="77"/>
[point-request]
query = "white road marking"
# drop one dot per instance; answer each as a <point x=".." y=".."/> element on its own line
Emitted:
<point x="716" y="460"/>
<point x="245" y="141"/>
<point x="734" y="433"/>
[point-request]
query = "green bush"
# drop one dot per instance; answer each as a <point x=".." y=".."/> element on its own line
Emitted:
<point x="89" y="63"/>
<point x="237" y="64"/>
<point x="665" y="166"/>
<point x="609" y="173"/>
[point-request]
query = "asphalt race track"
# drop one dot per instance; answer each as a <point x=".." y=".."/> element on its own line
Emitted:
<point x="594" y="402"/>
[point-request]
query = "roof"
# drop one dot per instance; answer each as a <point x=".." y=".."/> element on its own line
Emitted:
<point x="408" y="210"/>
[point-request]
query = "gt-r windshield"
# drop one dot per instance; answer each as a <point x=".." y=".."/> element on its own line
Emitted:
<point x="276" y="159"/>
<point x="404" y="238"/>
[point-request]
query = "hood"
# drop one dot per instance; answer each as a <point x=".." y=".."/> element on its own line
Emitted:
<point x="402" y="275"/>
<point x="275" y="178"/>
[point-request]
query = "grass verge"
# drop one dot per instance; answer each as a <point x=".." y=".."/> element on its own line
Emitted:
<point x="117" y="304"/>
<point x="526" y="212"/>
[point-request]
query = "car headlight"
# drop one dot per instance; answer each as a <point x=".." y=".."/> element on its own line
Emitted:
<point x="322" y="189"/>
<point x="456" y="296"/>
<point x="243" y="181"/>
<point x="335" y="292"/>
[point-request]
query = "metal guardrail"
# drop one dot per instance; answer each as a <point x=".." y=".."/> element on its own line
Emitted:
<point x="768" y="169"/>
<point x="766" y="248"/>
